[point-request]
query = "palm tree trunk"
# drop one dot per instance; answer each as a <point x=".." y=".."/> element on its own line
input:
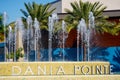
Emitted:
<point x="84" y="53"/>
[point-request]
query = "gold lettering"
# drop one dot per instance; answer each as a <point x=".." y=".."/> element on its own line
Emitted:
<point x="28" y="70"/>
<point x="60" y="71"/>
<point x="41" y="70"/>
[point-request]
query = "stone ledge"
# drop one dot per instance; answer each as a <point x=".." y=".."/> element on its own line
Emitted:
<point x="70" y="77"/>
<point x="53" y="68"/>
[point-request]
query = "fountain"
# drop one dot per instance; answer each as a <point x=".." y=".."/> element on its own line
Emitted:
<point x="85" y="33"/>
<point x="65" y="35"/>
<point x="91" y="28"/>
<point x="9" y="41"/>
<point x="78" y="40"/>
<point x="50" y="38"/>
<point x="32" y="37"/>
<point x="37" y="36"/>
<point x="23" y="36"/>
<point x="30" y="40"/>
<point x="83" y="29"/>
<point x="29" y="27"/>
<point x="52" y="20"/>
<point x="18" y="37"/>
<point x="4" y="24"/>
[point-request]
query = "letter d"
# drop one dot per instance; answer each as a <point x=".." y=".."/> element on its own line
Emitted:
<point x="16" y="70"/>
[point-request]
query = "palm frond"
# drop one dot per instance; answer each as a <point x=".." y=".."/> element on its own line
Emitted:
<point x="82" y="9"/>
<point x="39" y="11"/>
<point x="24" y="13"/>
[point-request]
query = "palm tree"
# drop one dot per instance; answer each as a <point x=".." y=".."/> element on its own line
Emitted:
<point x="1" y="29"/>
<point x="82" y="9"/>
<point x="0" y="18"/>
<point x="108" y="27"/>
<point x="39" y="11"/>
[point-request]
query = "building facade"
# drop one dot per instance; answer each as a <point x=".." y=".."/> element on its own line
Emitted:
<point x="112" y="10"/>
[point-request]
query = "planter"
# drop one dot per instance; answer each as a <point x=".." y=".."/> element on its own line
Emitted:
<point x="21" y="59"/>
<point x="10" y="60"/>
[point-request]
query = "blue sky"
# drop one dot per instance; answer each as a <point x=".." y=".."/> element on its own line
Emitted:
<point x="12" y="7"/>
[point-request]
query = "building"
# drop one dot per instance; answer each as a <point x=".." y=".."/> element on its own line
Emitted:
<point x="113" y="7"/>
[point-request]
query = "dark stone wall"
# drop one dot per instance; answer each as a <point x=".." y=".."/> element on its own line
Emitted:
<point x="97" y="39"/>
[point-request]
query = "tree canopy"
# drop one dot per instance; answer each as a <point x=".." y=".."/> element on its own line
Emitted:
<point x="81" y="10"/>
<point x="39" y="11"/>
